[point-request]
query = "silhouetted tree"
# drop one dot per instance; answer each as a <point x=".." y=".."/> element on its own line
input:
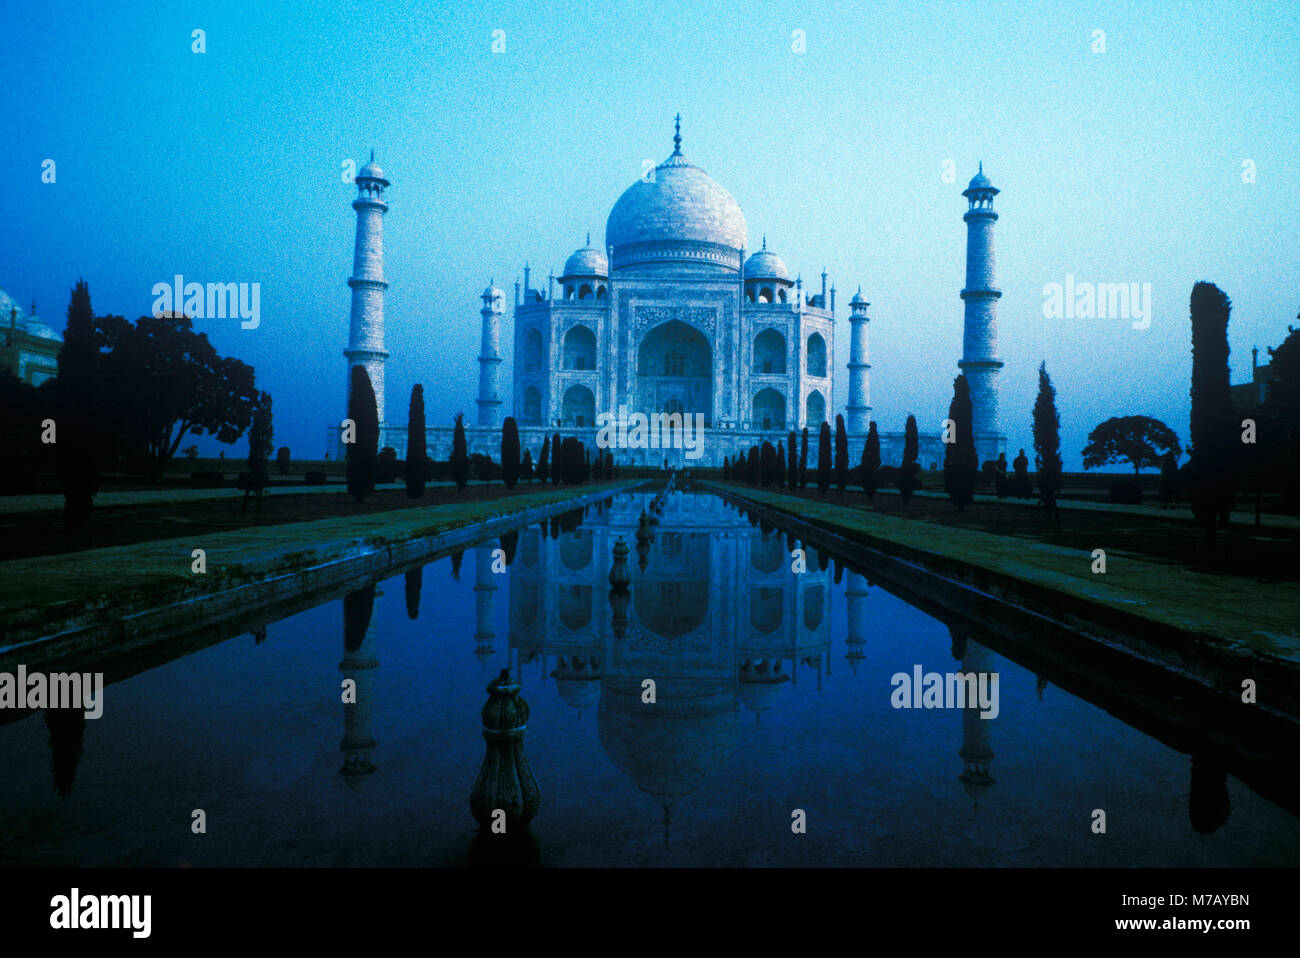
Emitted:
<point x="510" y="452"/>
<point x="869" y="469"/>
<point x="459" y="454"/>
<point x="77" y="403"/>
<point x="1169" y="480"/>
<point x="824" y="457"/>
<point x="1278" y="420"/>
<point x="792" y="462"/>
<point x="526" y="469"/>
<point x="767" y="464"/>
<point x="753" y="465"/>
<point x="544" y="461"/>
<point x="726" y="469"/>
<point x="960" y="461"/>
<point x="778" y="477"/>
<point x="557" y="460"/>
<point x="260" y="434"/>
<point x="1214" y="426"/>
<point x="168" y="382"/>
<point x="841" y="454"/>
<point x="907" y="481"/>
<point x="456" y="559"/>
<point x="1138" y="440"/>
<point x="281" y="459"/>
<point x="417" y="453"/>
<point x="1047" y="443"/>
<point x="363" y="454"/>
<point x="803" y="460"/>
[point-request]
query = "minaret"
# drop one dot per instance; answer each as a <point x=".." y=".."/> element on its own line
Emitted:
<point x="489" y="357"/>
<point x="366" y="335"/>
<point x="859" y="408"/>
<point x="979" y="359"/>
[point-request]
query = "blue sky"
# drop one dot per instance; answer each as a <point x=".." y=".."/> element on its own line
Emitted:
<point x="1122" y="166"/>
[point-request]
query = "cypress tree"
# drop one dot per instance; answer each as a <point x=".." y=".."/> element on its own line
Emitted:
<point x="824" y="458"/>
<point x="870" y="468"/>
<point x="911" y="449"/>
<point x="1047" y="442"/>
<point x="1213" y="415"/>
<point x="260" y="435"/>
<point x="753" y="465"/>
<point x="459" y="454"/>
<point x="363" y="454"/>
<point x="414" y="582"/>
<point x="803" y="460"/>
<point x="767" y="464"/>
<point x="417" y="456"/>
<point x="76" y="445"/>
<point x="778" y="478"/>
<point x="527" y="470"/>
<point x="543" y="463"/>
<point x="557" y="461"/>
<point x="510" y="452"/>
<point x="792" y="462"/>
<point x="841" y="454"/>
<point x="726" y="469"/>
<point x="961" y="461"/>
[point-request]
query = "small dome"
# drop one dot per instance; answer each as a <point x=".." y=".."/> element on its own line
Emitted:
<point x="980" y="182"/>
<point x="37" y="328"/>
<point x="371" y="170"/>
<point x="7" y="306"/>
<point x="491" y="292"/>
<point x="858" y="299"/>
<point x="587" y="261"/>
<point x="765" y="265"/>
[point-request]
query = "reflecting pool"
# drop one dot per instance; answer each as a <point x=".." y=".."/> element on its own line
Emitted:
<point x="773" y="703"/>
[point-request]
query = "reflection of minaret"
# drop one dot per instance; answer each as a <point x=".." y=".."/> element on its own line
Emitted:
<point x="359" y="665"/>
<point x="855" y="594"/>
<point x="67" y="726"/>
<point x="976" y="750"/>
<point x="485" y="588"/>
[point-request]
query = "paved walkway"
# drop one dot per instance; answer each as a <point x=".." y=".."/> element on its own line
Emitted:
<point x="1177" y="513"/>
<point x="45" y="502"/>
<point x="1264" y="616"/>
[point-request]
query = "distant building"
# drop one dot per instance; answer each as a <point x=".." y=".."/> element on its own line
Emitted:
<point x="29" y="349"/>
<point x="1251" y="395"/>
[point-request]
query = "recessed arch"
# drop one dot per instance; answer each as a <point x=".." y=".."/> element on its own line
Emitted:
<point x="532" y="406"/>
<point x="584" y="291"/>
<point x="579" y="348"/>
<point x="766" y="608"/>
<point x="815" y="409"/>
<point x="532" y="351"/>
<point x="816" y="361"/>
<point x="579" y="406"/>
<point x="769" y="352"/>
<point x="812" y="607"/>
<point x="769" y="409"/>
<point x="675" y="361"/>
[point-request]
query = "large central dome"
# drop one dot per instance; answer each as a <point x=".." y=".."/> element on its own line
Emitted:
<point x="670" y="215"/>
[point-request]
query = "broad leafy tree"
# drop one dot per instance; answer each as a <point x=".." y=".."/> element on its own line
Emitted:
<point x="1139" y="441"/>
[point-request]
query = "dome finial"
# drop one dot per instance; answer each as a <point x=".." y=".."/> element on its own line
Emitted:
<point x="372" y="154"/>
<point x="764" y="241"/>
<point x="589" y="237"/>
<point x="677" y="137"/>
<point x="981" y="166"/>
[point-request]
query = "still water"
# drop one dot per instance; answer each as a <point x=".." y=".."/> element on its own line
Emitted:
<point x="773" y="694"/>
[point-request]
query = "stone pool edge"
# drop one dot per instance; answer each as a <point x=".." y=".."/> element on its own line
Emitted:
<point x="167" y="606"/>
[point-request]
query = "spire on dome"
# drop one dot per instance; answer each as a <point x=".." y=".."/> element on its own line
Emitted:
<point x="677" y="137"/>
<point x="764" y="241"/>
<point x="588" y="237"/>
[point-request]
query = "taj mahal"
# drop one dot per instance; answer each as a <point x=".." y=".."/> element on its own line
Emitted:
<point x="674" y="315"/>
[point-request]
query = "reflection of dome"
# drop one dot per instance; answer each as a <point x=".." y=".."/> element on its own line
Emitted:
<point x="587" y="261"/>
<point x="578" y="693"/>
<point x="679" y="202"/>
<point x="673" y="747"/>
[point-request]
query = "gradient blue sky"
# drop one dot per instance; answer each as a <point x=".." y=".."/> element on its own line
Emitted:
<point x="226" y="166"/>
